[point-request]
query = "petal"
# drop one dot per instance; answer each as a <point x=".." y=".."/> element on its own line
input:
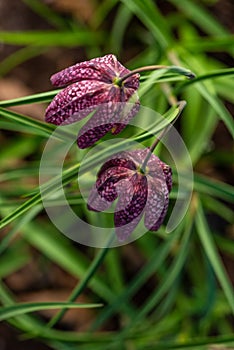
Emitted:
<point x="134" y="193"/>
<point x="96" y="202"/>
<point x="100" y="68"/>
<point x="168" y="174"/>
<point x="98" y="125"/>
<point x="158" y="169"/>
<point x="157" y="203"/>
<point x="106" y="183"/>
<point x="156" y="226"/>
<point x="117" y="160"/>
<point x="132" y="82"/>
<point x="89" y="137"/>
<point x="74" y="98"/>
<point x="126" y="116"/>
<point x="123" y="232"/>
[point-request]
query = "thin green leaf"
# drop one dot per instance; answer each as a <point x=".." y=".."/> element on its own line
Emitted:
<point x="44" y="128"/>
<point x="52" y="38"/>
<point x="224" y="43"/>
<point x="47" y="13"/>
<point x="81" y="285"/>
<point x="23" y="308"/>
<point x="150" y="268"/>
<point x="18" y="57"/>
<point x="218" y="106"/>
<point x="221" y="73"/>
<point x="200" y="16"/>
<point x="148" y="13"/>
<point x="36" y="98"/>
<point x="35" y="126"/>
<point x="219" y="208"/>
<point x="209" y="246"/>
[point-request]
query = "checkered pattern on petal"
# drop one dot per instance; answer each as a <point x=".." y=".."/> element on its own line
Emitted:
<point x="119" y="160"/>
<point x="100" y="68"/>
<point x="106" y="183"/>
<point x="135" y="195"/>
<point x="126" y="116"/>
<point x="75" y="98"/>
<point x="125" y="191"/>
<point x="92" y="83"/>
<point x="96" y="202"/>
<point x="157" y="200"/>
<point x="120" y="177"/>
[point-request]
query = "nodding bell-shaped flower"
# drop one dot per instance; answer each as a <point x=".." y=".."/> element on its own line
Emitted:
<point x="141" y="188"/>
<point x="94" y="87"/>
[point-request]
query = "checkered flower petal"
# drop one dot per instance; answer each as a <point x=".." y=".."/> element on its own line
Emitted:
<point x="101" y="69"/>
<point x="125" y="117"/>
<point x="91" y="84"/>
<point x="68" y="103"/>
<point x="106" y="184"/>
<point x="96" y="202"/>
<point x="132" y="198"/>
<point x="138" y="191"/>
<point x="158" y="199"/>
<point x="119" y="160"/>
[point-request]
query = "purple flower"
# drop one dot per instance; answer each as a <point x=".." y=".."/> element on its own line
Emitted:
<point x="139" y="191"/>
<point x="94" y="86"/>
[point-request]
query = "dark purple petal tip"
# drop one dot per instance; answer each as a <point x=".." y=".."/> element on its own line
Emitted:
<point x="137" y="193"/>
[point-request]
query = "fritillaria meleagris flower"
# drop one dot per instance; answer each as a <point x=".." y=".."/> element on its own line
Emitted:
<point x="94" y="86"/>
<point x="139" y="191"/>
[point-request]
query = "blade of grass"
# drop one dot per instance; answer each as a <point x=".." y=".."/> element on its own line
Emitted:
<point x="19" y="57"/>
<point x="120" y="25"/>
<point x="172" y="273"/>
<point x="150" y="268"/>
<point x="44" y="128"/>
<point x="224" y="43"/>
<point x="36" y="126"/>
<point x="59" y="249"/>
<point x="211" y="251"/>
<point x="23" y="308"/>
<point x="36" y="98"/>
<point x="148" y="13"/>
<point x="200" y="16"/>
<point x="13" y="259"/>
<point x="102" y="12"/>
<point x="17" y="227"/>
<point x="52" y="38"/>
<point x="47" y="13"/>
<point x="33" y="326"/>
<point x="81" y="285"/>
<point x="221" y="73"/>
<point x="218" y="207"/>
<point x="214" y="188"/>
<point x="218" y="106"/>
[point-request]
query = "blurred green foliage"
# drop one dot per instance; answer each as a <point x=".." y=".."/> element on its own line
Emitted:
<point x="180" y="294"/>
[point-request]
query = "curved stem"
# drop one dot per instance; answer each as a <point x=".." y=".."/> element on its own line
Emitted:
<point x="173" y="69"/>
<point x="181" y="105"/>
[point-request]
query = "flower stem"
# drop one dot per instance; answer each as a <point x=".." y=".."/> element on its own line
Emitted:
<point x="180" y="105"/>
<point x="82" y="284"/>
<point x="172" y="69"/>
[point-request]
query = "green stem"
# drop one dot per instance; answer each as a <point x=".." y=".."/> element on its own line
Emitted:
<point x="181" y="105"/>
<point x="81" y="285"/>
<point x="172" y="69"/>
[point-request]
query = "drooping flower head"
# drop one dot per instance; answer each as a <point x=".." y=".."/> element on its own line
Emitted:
<point x="139" y="190"/>
<point x="92" y="84"/>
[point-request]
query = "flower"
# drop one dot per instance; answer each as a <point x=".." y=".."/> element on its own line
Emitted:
<point x="139" y="191"/>
<point x="94" y="86"/>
